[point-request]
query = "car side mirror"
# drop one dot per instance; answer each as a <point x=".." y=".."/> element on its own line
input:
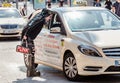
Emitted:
<point x="55" y="30"/>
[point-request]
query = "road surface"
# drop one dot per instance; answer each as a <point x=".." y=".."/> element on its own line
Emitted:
<point x="13" y="70"/>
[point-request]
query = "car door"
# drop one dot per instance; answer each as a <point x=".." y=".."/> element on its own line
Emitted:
<point x="40" y="42"/>
<point x="53" y="42"/>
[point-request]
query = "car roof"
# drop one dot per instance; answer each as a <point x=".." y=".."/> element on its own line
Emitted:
<point x="67" y="9"/>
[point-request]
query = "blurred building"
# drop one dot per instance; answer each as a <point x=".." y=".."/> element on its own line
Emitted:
<point x="89" y="2"/>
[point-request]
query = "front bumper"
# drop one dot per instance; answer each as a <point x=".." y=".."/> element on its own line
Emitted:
<point x="10" y="33"/>
<point x="97" y="65"/>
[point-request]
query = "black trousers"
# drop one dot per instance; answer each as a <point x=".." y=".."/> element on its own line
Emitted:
<point x="30" y="44"/>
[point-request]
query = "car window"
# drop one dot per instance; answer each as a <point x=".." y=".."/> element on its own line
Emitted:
<point x="91" y="20"/>
<point x="57" y="22"/>
<point x="9" y="13"/>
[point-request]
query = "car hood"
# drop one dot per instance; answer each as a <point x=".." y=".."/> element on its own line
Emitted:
<point x="107" y="38"/>
<point x="12" y="21"/>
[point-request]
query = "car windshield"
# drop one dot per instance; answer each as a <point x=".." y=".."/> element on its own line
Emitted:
<point x="10" y="13"/>
<point x="91" y="20"/>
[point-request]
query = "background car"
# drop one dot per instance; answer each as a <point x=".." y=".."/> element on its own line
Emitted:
<point x="79" y="41"/>
<point x="11" y="22"/>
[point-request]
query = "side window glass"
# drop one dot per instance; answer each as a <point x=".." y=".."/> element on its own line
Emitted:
<point x="107" y="19"/>
<point x="57" y="25"/>
<point x="56" y="21"/>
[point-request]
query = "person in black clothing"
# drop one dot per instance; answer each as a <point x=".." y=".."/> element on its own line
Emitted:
<point x="48" y="2"/>
<point x="23" y="10"/>
<point x="35" y="25"/>
<point x="116" y="7"/>
<point x="108" y="4"/>
<point x="29" y="33"/>
<point x="61" y="3"/>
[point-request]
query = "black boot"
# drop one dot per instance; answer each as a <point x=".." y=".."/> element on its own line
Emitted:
<point x="37" y="73"/>
<point x="32" y="73"/>
<point x="31" y="70"/>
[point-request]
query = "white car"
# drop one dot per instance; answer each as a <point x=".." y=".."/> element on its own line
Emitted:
<point x="11" y="22"/>
<point x="80" y="41"/>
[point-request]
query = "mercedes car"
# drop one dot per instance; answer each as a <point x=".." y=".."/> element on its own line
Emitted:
<point x="80" y="41"/>
<point x="11" y="22"/>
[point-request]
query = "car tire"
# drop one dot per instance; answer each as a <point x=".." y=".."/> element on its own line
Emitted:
<point x="26" y="61"/>
<point x="70" y="67"/>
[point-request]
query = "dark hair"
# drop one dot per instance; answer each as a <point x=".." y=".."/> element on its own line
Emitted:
<point x="45" y="12"/>
<point x="24" y="5"/>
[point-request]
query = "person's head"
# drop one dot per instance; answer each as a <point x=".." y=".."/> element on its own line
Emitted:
<point x="24" y="5"/>
<point x="45" y="12"/>
<point x="98" y="0"/>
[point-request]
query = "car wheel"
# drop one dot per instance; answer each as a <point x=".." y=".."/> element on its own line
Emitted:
<point x="27" y="62"/>
<point x="70" y="67"/>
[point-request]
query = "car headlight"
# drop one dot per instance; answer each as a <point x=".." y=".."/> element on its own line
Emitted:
<point x="88" y="50"/>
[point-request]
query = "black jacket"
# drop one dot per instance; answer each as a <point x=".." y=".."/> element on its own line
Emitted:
<point x="34" y="26"/>
<point x="35" y="30"/>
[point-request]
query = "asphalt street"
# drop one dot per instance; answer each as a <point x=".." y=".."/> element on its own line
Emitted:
<point x="13" y="70"/>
